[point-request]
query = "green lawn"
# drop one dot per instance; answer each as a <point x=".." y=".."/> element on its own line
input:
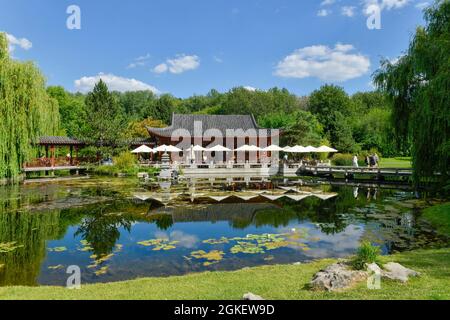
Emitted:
<point x="439" y="217"/>
<point x="271" y="282"/>
<point x="395" y="163"/>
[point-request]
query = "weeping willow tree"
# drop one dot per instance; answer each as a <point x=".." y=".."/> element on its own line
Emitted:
<point x="27" y="112"/>
<point x="419" y="86"/>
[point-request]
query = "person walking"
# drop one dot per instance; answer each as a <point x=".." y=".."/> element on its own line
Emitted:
<point x="377" y="160"/>
<point x="355" y="161"/>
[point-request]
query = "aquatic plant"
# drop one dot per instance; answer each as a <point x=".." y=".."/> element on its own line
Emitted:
<point x="59" y="266"/>
<point x="222" y="240"/>
<point x="57" y="249"/>
<point x="159" y="244"/>
<point x="214" y="255"/>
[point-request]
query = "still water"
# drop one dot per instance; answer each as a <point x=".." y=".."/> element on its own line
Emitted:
<point x="119" y="229"/>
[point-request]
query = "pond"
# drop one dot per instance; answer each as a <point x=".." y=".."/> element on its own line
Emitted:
<point x="119" y="229"/>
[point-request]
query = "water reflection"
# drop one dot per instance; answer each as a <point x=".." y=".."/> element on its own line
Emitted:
<point x="100" y="224"/>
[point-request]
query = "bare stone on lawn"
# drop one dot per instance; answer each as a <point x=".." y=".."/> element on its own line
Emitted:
<point x="396" y="271"/>
<point x="251" y="296"/>
<point x="336" y="277"/>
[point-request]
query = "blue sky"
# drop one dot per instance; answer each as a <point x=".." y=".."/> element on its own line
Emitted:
<point x="189" y="47"/>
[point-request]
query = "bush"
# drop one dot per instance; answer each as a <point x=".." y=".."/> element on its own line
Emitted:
<point x="346" y="160"/>
<point x="125" y="161"/>
<point x="366" y="253"/>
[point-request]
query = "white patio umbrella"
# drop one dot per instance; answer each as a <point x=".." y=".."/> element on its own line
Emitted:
<point x="273" y="148"/>
<point x="218" y="148"/>
<point x="196" y="148"/>
<point x="310" y="149"/>
<point x="165" y="148"/>
<point x="287" y="148"/>
<point x="325" y="149"/>
<point x="246" y="147"/>
<point x="143" y="149"/>
<point x="297" y="149"/>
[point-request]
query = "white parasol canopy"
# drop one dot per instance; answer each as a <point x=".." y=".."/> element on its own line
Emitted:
<point x="165" y="148"/>
<point x="196" y="148"/>
<point x="143" y="149"/>
<point x="325" y="149"/>
<point x="297" y="149"/>
<point x="246" y="147"/>
<point x="218" y="148"/>
<point x="310" y="149"/>
<point x="273" y="148"/>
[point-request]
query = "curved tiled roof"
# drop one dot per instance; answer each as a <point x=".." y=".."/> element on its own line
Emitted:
<point x="64" y="141"/>
<point x="220" y="122"/>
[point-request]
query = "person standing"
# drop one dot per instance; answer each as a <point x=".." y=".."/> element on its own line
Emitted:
<point x="377" y="159"/>
<point x="355" y="161"/>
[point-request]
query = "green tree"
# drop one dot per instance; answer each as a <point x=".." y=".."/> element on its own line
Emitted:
<point x="71" y="110"/>
<point x="326" y="101"/>
<point x="418" y="85"/>
<point x="27" y="112"/>
<point x="104" y="121"/>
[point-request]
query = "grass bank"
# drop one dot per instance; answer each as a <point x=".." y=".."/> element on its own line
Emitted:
<point x="271" y="282"/>
<point x="401" y="162"/>
<point x="439" y="217"/>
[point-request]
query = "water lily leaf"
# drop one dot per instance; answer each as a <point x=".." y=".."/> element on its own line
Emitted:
<point x="222" y="240"/>
<point x="59" y="266"/>
<point x="214" y="255"/>
<point x="269" y="258"/>
<point x="159" y="244"/>
<point x="57" y="249"/>
<point x="101" y="271"/>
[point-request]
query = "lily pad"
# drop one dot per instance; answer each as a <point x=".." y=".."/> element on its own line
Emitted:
<point x="57" y="249"/>
<point x="59" y="266"/>
<point x="101" y="271"/>
<point x="222" y="240"/>
<point x="214" y="255"/>
<point x="159" y="244"/>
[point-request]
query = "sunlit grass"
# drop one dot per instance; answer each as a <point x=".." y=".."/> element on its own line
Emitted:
<point x="271" y="282"/>
<point x="395" y="163"/>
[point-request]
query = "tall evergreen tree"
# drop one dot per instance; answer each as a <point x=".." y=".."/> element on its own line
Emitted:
<point x="104" y="120"/>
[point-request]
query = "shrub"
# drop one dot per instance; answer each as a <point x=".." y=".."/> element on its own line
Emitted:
<point x="366" y="253"/>
<point x="346" y="160"/>
<point x="125" y="161"/>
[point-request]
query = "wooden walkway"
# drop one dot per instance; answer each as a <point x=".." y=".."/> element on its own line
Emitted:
<point x="53" y="169"/>
<point x="297" y="169"/>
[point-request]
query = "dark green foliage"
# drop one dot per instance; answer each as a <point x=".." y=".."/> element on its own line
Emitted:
<point x="419" y="87"/>
<point x="104" y="122"/>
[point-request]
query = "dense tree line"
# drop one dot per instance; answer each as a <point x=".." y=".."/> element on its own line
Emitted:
<point x="328" y="116"/>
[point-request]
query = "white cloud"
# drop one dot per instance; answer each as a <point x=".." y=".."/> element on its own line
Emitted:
<point x="249" y="88"/>
<point x="323" y="13"/>
<point x="181" y="63"/>
<point x="23" y="43"/>
<point x="217" y="59"/>
<point x="422" y="5"/>
<point x="325" y="63"/>
<point x="327" y="2"/>
<point x="139" y="61"/>
<point x="385" y="4"/>
<point x="160" y="68"/>
<point x="348" y="11"/>
<point x="114" y="83"/>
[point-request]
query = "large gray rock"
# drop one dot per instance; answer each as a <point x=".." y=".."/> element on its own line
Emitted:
<point x="337" y="276"/>
<point x="251" y="296"/>
<point x="396" y="271"/>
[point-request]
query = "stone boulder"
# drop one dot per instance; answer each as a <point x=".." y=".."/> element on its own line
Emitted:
<point x="251" y="296"/>
<point x="337" y="276"/>
<point x="396" y="271"/>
